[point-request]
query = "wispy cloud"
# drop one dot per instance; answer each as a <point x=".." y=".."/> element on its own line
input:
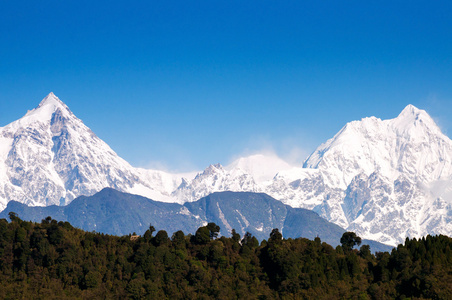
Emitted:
<point x="440" y="109"/>
<point x="289" y="149"/>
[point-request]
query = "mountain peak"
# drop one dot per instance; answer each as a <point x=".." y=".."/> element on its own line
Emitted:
<point x="412" y="117"/>
<point x="411" y="110"/>
<point x="406" y="143"/>
<point x="213" y="169"/>
<point x="43" y="113"/>
<point x="47" y="107"/>
<point x="51" y="99"/>
<point x="49" y="96"/>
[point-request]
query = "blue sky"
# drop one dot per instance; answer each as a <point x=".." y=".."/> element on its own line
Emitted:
<point x="183" y="84"/>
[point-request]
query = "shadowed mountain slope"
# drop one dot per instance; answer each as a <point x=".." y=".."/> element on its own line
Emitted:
<point x="114" y="212"/>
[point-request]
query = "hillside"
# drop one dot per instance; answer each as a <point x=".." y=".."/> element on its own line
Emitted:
<point x="52" y="259"/>
<point x="114" y="212"/>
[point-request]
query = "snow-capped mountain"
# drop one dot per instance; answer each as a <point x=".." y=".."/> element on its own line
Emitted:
<point x="384" y="179"/>
<point x="410" y="144"/>
<point x="50" y="157"/>
<point x="396" y="175"/>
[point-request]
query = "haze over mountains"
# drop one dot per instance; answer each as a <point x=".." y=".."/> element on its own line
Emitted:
<point x="384" y="179"/>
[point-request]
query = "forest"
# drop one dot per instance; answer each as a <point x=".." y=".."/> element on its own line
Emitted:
<point x="54" y="260"/>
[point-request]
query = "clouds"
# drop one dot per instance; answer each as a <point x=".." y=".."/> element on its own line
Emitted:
<point x="291" y="149"/>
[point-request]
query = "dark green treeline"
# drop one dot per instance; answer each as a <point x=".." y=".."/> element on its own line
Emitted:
<point x="55" y="260"/>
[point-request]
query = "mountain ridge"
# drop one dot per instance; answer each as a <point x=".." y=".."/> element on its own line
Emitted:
<point x="112" y="212"/>
<point x="50" y="148"/>
<point x="385" y="179"/>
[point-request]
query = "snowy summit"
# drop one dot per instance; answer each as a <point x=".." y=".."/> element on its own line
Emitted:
<point x="384" y="179"/>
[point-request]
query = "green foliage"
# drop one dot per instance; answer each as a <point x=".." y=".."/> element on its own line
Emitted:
<point x="202" y="236"/>
<point x="148" y="233"/>
<point x="275" y="236"/>
<point x="235" y="236"/>
<point x="178" y="240"/>
<point x="214" y="229"/>
<point x="161" y="238"/>
<point x="249" y="240"/>
<point x="349" y="240"/>
<point x="55" y="260"/>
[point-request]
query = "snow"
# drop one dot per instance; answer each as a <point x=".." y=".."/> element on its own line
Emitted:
<point x="5" y="146"/>
<point x="142" y="190"/>
<point x="42" y="113"/>
<point x="50" y="154"/>
<point x="223" y="219"/>
<point x="185" y="211"/>
<point x="396" y="160"/>
<point x="261" y="167"/>
<point x="295" y="173"/>
<point x="247" y="223"/>
<point x="384" y="179"/>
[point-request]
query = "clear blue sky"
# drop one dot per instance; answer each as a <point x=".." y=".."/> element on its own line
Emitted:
<point x="183" y="84"/>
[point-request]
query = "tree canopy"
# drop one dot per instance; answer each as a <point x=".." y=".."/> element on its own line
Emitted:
<point x="52" y="259"/>
<point x="349" y="240"/>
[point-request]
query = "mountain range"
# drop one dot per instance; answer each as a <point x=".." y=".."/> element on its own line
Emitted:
<point x="112" y="212"/>
<point x="384" y="179"/>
